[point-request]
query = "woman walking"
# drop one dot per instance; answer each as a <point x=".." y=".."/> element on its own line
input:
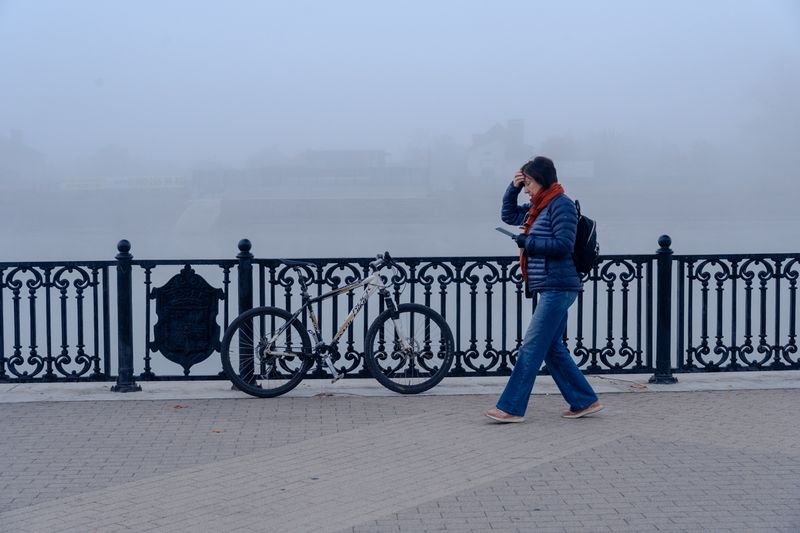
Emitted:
<point x="549" y="223"/>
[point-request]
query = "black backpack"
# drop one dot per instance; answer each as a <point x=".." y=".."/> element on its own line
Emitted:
<point x="586" y="248"/>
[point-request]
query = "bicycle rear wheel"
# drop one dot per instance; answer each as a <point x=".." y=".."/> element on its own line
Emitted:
<point x="413" y="358"/>
<point x="263" y="354"/>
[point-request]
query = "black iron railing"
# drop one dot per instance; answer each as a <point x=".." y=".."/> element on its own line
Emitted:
<point x="656" y="313"/>
<point x="737" y="312"/>
<point x="55" y="320"/>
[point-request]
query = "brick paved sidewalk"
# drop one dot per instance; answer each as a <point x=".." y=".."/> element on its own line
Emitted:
<point x="678" y="461"/>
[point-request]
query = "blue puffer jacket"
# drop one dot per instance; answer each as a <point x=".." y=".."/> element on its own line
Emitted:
<point x="550" y="241"/>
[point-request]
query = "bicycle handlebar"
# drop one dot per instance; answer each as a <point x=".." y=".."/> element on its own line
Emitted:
<point x="381" y="260"/>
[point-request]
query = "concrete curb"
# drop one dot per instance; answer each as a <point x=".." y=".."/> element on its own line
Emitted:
<point x="603" y="384"/>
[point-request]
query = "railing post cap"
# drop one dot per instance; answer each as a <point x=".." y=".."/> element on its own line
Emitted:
<point x="665" y="242"/>
<point x="124" y="248"/>
<point x="244" y="248"/>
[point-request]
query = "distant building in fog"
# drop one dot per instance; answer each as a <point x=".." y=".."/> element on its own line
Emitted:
<point x="145" y="182"/>
<point x="344" y="158"/>
<point x="497" y="151"/>
<point x="333" y="173"/>
<point x="358" y="185"/>
<point x="19" y="162"/>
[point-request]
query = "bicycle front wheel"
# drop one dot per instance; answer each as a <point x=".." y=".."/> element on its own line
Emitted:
<point x="409" y="350"/>
<point x="265" y="353"/>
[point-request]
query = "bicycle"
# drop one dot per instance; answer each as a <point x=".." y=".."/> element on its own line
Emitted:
<point x="408" y="348"/>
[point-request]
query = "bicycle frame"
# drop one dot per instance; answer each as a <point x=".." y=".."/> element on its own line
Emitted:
<point x="372" y="283"/>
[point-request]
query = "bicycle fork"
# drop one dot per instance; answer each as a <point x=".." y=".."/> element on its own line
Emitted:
<point x="408" y="349"/>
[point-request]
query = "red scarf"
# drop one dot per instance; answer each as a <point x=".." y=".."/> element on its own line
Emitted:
<point x="538" y="202"/>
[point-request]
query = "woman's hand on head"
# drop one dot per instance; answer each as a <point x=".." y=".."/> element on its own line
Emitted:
<point x="519" y="179"/>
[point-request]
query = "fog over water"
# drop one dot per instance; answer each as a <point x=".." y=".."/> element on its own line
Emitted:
<point x="320" y="129"/>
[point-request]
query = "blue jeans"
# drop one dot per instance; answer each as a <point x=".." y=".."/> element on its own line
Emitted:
<point x="544" y="342"/>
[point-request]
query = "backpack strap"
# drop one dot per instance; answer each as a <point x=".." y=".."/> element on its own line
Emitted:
<point x="578" y="207"/>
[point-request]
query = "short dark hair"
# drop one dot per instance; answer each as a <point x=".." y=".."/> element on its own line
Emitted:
<point x="542" y="170"/>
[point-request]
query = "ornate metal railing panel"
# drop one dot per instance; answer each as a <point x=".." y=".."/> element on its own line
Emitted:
<point x="482" y="299"/>
<point x="619" y="294"/>
<point x="737" y="312"/>
<point x="55" y="321"/>
<point x="168" y="344"/>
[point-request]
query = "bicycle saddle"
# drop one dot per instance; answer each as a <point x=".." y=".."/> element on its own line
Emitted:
<point x="293" y="263"/>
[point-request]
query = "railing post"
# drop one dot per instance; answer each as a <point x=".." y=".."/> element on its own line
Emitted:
<point x="245" y="283"/>
<point x="664" y="313"/>
<point x="125" y="382"/>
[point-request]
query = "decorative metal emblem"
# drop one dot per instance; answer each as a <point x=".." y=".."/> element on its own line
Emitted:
<point x="186" y="332"/>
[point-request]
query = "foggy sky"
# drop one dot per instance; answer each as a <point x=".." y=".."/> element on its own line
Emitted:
<point x="186" y="81"/>
<point x="672" y="93"/>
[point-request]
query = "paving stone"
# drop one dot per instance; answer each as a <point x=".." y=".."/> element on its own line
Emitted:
<point x="681" y="460"/>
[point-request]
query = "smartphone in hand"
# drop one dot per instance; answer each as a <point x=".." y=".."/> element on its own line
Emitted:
<point x="506" y="232"/>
